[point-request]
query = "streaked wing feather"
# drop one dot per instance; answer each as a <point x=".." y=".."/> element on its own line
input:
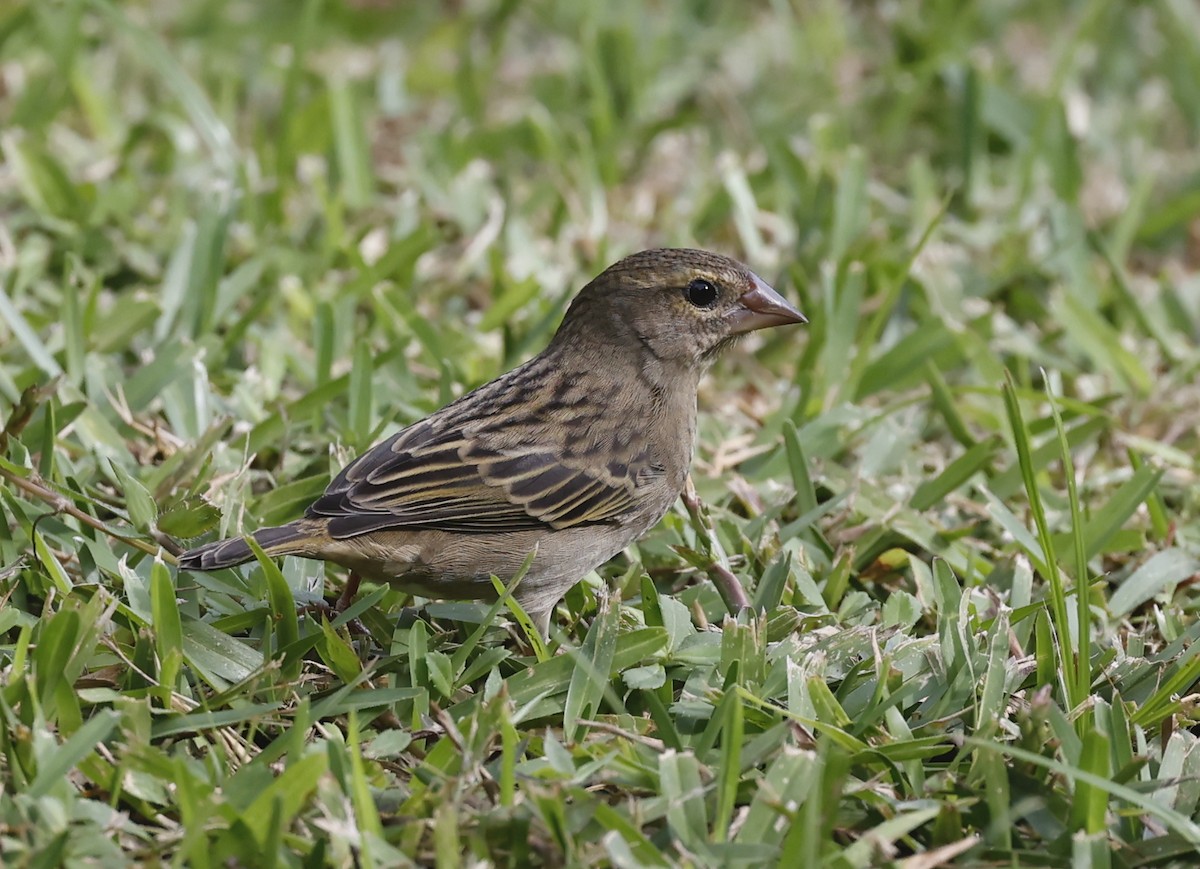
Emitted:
<point x="426" y="479"/>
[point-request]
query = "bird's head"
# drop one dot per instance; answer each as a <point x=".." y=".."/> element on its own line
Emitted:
<point x="684" y="306"/>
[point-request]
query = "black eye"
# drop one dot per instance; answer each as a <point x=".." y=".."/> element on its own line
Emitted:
<point x="701" y="293"/>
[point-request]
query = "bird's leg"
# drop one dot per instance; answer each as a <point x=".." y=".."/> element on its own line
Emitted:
<point x="347" y="596"/>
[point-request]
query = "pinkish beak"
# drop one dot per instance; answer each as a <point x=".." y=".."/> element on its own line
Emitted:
<point x="761" y="308"/>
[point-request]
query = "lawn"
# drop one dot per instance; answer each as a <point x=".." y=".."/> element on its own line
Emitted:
<point x="242" y="240"/>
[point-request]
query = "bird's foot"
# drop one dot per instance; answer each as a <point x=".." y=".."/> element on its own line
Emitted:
<point x="332" y="611"/>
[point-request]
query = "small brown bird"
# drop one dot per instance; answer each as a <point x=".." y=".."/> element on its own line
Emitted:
<point x="574" y="454"/>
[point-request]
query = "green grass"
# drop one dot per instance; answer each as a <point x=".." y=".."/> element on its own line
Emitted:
<point x="241" y="241"/>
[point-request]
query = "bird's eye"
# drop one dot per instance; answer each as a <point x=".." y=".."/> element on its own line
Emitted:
<point x="701" y="293"/>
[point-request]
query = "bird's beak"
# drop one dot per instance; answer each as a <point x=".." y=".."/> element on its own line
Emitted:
<point x="761" y="308"/>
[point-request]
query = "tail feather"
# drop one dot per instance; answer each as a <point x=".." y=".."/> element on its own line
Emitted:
<point x="228" y="553"/>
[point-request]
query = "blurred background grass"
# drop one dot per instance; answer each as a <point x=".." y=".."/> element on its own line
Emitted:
<point x="240" y="241"/>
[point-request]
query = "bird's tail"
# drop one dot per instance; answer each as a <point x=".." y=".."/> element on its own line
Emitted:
<point x="295" y="537"/>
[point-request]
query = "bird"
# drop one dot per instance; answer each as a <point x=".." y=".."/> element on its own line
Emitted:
<point x="569" y="457"/>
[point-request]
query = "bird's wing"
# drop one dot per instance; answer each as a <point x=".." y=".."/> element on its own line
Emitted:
<point x="430" y="477"/>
